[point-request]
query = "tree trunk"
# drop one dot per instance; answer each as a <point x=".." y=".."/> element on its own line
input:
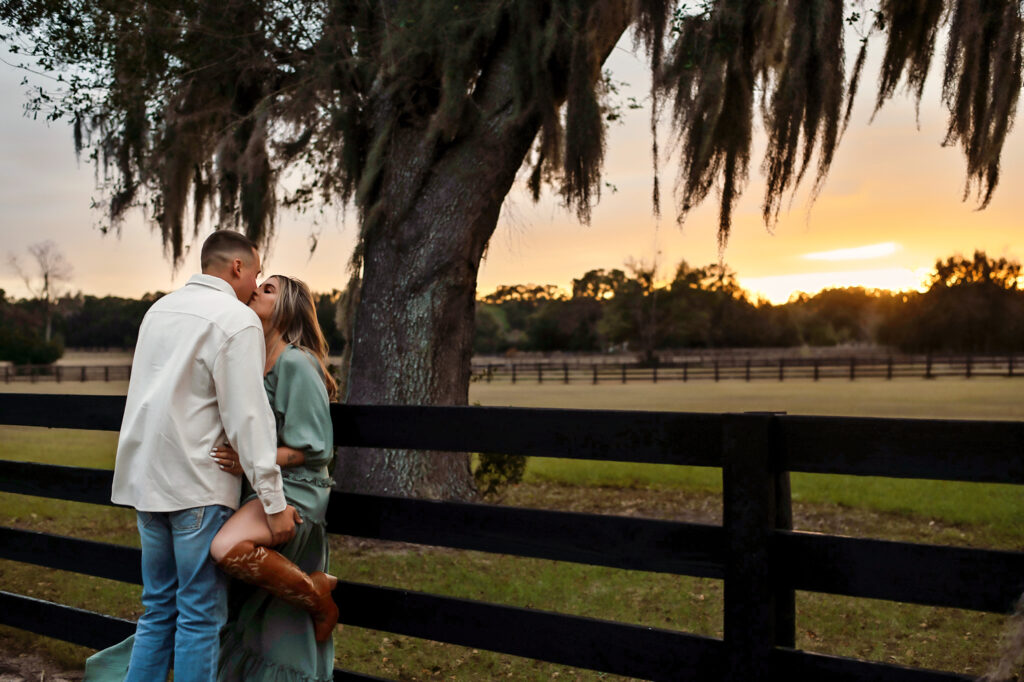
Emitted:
<point x="413" y="329"/>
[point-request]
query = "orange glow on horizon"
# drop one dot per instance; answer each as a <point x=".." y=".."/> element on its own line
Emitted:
<point x="780" y="288"/>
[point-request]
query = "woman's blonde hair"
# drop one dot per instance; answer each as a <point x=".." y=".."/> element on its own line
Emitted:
<point x="294" y="316"/>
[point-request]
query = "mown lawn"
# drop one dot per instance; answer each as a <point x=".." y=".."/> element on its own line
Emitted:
<point x="926" y="511"/>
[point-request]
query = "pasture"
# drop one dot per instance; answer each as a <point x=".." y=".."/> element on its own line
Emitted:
<point x="924" y="511"/>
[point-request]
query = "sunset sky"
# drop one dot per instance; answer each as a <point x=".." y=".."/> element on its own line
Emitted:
<point x="891" y="206"/>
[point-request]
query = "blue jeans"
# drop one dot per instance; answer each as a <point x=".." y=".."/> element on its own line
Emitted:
<point x="184" y="593"/>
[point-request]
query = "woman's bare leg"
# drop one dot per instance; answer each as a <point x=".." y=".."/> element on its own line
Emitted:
<point x="241" y="550"/>
<point x="248" y="523"/>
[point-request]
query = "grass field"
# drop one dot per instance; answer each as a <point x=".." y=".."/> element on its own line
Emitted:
<point x="964" y="514"/>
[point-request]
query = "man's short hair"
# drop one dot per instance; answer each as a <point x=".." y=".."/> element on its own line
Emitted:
<point x="223" y="246"/>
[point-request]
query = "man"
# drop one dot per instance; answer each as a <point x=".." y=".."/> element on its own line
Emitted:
<point x="196" y="382"/>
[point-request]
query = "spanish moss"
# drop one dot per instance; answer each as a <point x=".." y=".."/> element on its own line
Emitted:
<point x="200" y="107"/>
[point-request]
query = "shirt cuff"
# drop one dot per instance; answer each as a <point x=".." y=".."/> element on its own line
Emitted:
<point x="272" y="500"/>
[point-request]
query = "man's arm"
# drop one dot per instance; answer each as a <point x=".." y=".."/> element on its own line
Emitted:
<point x="249" y="422"/>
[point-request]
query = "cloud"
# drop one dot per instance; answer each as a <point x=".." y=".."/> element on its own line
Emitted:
<point x="856" y="253"/>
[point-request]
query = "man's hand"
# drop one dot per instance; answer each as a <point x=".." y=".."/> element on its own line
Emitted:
<point x="282" y="525"/>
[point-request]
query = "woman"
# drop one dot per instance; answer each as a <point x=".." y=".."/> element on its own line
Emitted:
<point x="270" y="633"/>
<point x="282" y="631"/>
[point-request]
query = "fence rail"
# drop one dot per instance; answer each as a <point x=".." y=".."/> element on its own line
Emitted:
<point x="706" y="367"/>
<point x="761" y="560"/>
<point x="64" y="373"/>
<point x="751" y="369"/>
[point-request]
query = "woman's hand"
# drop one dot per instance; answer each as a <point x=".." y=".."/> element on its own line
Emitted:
<point x="227" y="459"/>
<point x="289" y="457"/>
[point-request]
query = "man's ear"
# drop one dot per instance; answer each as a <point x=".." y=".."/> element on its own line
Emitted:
<point x="236" y="267"/>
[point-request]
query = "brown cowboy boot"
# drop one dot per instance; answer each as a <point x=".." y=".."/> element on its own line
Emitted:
<point x="263" y="567"/>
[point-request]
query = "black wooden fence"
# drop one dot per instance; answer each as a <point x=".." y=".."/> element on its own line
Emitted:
<point x="720" y="366"/>
<point x="761" y="560"/>
<point x="64" y="373"/>
<point x="751" y="369"/>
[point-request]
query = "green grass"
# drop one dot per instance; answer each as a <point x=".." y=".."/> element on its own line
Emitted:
<point x="71" y="447"/>
<point x="950" y="398"/>
<point x="998" y="507"/>
<point x="973" y="514"/>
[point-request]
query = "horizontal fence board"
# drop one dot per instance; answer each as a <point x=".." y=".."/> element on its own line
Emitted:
<point x="981" y="451"/>
<point x="557" y="638"/>
<point x="94" y="630"/>
<point x="613" y="647"/>
<point x="617" y="648"/>
<point x="935" y="575"/>
<point x="76" y="484"/>
<point x="616" y="542"/>
<point x="602" y="540"/>
<point x="61" y="622"/>
<point x="611" y="435"/>
<point x="98" y="631"/>
<point x="95" y="412"/>
<point x="621" y="649"/>
<point x="986" y="451"/>
<point x="100" y="559"/>
<point x="620" y="542"/>
<point x="789" y="664"/>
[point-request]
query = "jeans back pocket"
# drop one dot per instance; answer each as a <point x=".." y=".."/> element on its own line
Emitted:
<point x="187" y="519"/>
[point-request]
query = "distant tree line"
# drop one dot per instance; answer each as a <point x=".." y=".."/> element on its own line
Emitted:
<point x="91" y="322"/>
<point x="973" y="304"/>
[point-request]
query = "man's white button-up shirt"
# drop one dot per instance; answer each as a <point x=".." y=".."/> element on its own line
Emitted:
<point x="197" y="382"/>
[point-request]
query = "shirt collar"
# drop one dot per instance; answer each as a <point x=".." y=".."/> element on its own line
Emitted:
<point x="213" y="283"/>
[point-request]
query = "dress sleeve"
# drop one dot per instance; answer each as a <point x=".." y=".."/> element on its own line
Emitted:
<point x="301" y="399"/>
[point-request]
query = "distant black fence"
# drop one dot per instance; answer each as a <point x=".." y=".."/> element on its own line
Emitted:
<point x="64" y="373"/>
<point x="709" y="367"/>
<point x="761" y="560"/>
<point x="752" y="369"/>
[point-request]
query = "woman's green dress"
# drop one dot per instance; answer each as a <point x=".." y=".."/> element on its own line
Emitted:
<point x="266" y="639"/>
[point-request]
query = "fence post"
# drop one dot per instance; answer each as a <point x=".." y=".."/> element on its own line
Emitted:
<point x="782" y="369"/>
<point x="106" y="373"/>
<point x="815" y="369"/>
<point x="967" y="367"/>
<point x="654" y="374"/>
<point x="513" y="372"/>
<point x="594" y="366"/>
<point x="1009" y="366"/>
<point x="748" y="369"/>
<point x="540" y="373"/>
<point x="56" y="371"/>
<point x="623" y="372"/>
<point x="757" y="616"/>
<point x="565" y="371"/>
<point x="686" y="366"/>
<point x="853" y="368"/>
<point x="716" y="370"/>
<point x="928" y="367"/>
<point x="888" y="371"/>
